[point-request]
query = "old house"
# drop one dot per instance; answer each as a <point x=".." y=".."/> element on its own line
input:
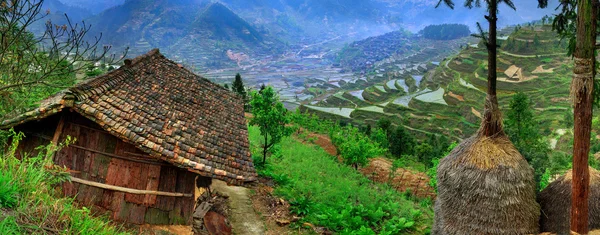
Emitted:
<point x="146" y="134"/>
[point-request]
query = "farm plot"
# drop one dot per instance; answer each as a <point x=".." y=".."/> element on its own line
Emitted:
<point x="391" y="84"/>
<point x="358" y="94"/>
<point x="344" y="112"/>
<point x="402" y="84"/>
<point x="404" y="100"/>
<point x="433" y="97"/>
<point x="375" y="109"/>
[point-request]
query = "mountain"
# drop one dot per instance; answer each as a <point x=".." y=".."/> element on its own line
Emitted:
<point x="94" y="6"/>
<point x="56" y="11"/>
<point x="223" y="24"/>
<point x="416" y="14"/>
<point x="193" y="31"/>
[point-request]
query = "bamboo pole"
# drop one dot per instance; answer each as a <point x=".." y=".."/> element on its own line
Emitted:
<point x="128" y="190"/>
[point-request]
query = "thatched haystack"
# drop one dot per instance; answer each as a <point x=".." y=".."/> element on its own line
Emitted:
<point x="485" y="186"/>
<point x="555" y="201"/>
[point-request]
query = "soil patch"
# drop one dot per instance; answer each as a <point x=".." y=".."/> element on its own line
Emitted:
<point x="475" y="112"/>
<point x="458" y="97"/>
<point x="540" y="69"/>
<point x="402" y="180"/>
<point x="274" y="211"/>
<point x="164" y="229"/>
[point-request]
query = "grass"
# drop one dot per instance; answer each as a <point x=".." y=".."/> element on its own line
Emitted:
<point x="335" y="196"/>
<point x="29" y="203"/>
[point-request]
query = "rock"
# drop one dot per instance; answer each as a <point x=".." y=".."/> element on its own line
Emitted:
<point x="282" y="222"/>
<point x="216" y="224"/>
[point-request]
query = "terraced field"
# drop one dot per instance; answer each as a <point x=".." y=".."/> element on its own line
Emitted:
<point x="445" y="95"/>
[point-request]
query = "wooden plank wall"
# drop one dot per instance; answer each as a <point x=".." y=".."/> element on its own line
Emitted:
<point x="98" y="167"/>
<point x="37" y="133"/>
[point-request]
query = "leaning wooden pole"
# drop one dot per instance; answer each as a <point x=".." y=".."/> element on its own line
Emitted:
<point x="582" y="89"/>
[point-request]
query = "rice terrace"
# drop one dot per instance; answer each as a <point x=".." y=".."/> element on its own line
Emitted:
<point x="277" y="117"/>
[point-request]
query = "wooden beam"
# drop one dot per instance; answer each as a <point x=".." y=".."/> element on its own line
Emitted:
<point x="128" y="190"/>
<point x="59" y="129"/>
<point x="57" y="133"/>
<point x="159" y="163"/>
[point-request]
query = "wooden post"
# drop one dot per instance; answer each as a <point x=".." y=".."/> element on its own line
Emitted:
<point x="58" y="133"/>
<point x="582" y="90"/>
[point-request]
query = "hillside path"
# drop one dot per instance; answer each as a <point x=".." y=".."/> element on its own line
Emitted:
<point x="244" y="220"/>
<point x="530" y="56"/>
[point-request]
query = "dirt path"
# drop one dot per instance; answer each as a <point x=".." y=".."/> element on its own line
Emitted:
<point x="243" y="218"/>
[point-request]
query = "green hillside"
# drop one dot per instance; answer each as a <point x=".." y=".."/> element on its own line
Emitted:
<point x="449" y="98"/>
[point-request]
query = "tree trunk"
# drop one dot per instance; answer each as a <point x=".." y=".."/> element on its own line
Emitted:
<point x="492" y="120"/>
<point x="582" y="89"/>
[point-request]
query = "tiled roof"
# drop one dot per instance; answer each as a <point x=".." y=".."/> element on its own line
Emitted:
<point x="166" y="111"/>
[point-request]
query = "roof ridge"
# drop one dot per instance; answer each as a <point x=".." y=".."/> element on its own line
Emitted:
<point x="107" y="81"/>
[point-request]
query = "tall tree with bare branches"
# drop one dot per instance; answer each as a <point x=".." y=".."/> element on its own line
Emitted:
<point x="31" y="63"/>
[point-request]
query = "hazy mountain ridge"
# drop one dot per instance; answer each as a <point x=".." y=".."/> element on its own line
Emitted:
<point x="94" y="6"/>
<point x="193" y="31"/>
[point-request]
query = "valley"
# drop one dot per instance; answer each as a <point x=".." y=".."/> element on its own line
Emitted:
<point x="431" y="87"/>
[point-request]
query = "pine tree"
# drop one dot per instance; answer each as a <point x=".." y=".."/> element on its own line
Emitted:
<point x="238" y="86"/>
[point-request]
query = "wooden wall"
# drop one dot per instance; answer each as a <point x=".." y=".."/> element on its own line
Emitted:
<point x="100" y="157"/>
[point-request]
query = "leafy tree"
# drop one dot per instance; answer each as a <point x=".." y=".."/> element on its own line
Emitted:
<point x="446" y="31"/>
<point x="56" y="54"/>
<point x="270" y="116"/>
<point x="401" y="142"/>
<point x="380" y="137"/>
<point x="92" y="71"/>
<point x="425" y="153"/>
<point x="368" y="130"/>
<point x="356" y="149"/>
<point x="524" y="132"/>
<point x="384" y="124"/>
<point x="226" y="86"/>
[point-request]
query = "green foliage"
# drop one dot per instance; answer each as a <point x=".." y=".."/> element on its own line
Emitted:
<point x="270" y="116"/>
<point x="380" y="137"/>
<point x="312" y="122"/>
<point x="424" y="153"/>
<point x="336" y="196"/>
<point x="93" y="71"/>
<point x="545" y="180"/>
<point x="524" y="132"/>
<point x="401" y="142"/>
<point x="356" y="148"/>
<point x="238" y="86"/>
<point x="9" y="192"/>
<point x="446" y="31"/>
